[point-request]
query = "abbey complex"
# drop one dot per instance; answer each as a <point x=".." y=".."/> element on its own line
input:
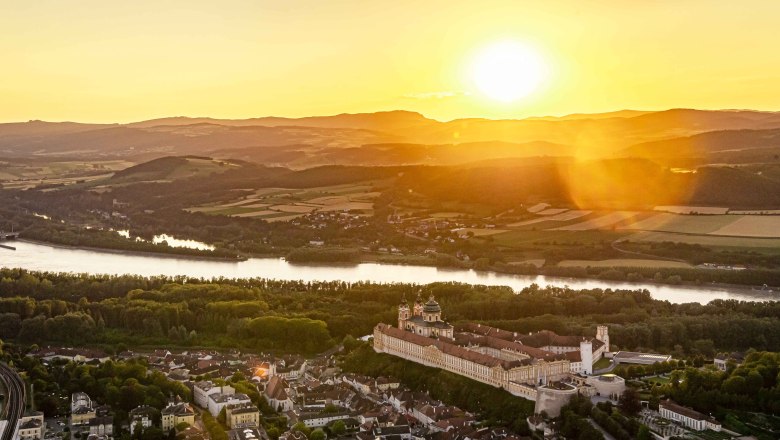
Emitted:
<point x="544" y="367"/>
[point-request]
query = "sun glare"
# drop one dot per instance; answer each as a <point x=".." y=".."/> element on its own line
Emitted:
<point x="508" y="71"/>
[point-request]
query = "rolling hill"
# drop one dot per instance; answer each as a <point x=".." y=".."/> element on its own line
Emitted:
<point x="398" y="137"/>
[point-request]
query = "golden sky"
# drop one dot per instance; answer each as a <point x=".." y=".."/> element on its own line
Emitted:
<point x="120" y="61"/>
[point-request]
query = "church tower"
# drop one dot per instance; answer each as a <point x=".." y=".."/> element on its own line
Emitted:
<point x="418" y="305"/>
<point x="586" y="356"/>
<point x="602" y="334"/>
<point x="403" y="313"/>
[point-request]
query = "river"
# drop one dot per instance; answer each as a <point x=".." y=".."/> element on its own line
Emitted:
<point x="40" y="257"/>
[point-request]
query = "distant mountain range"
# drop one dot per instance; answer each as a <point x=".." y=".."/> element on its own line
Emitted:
<point x="404" y="138"/>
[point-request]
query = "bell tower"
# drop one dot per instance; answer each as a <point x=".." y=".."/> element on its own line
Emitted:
<point x="418" y="305"/>
<point x="602" y="334"/>
<point x="403" y="313"/>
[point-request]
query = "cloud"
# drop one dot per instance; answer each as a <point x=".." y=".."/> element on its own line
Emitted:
<point x="435" y="95"/>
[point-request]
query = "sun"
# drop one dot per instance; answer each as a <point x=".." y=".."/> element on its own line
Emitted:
<point x="508" y="71"/>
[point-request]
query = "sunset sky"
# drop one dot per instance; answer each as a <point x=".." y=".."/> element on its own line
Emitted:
<point x="111" y="61"/>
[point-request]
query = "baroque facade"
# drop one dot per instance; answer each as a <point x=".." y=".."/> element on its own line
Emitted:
<point x="423" y="319"/>
<point x="520" y="364"/>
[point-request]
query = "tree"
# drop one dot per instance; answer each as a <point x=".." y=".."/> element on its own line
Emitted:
<point x="629" y="403"/>
<point x="339" y="428"/>
<point x="317" y="434"/>
<point x="734" y="385"/>
<point x="644" y="433"/>
<point x="301" y="427"/>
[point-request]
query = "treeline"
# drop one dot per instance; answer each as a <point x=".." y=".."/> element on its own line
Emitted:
<point x="674" y="276"/>
<point x="309" y="316"/>
<point x="752" y="386"/>
<point x="79" y="237"/>
<point x="327" y="255"/>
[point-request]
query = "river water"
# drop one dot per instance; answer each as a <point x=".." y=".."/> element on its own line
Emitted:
<point x="40" y="257"/>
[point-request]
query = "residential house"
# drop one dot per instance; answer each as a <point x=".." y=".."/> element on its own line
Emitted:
<point x="176" y="413"/>
<point x="242" y="415"/>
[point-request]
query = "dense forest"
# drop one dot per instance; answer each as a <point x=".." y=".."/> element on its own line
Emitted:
<point x="290" y="316"/>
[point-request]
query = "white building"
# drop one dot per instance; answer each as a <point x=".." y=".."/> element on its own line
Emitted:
<point x="687" y="416"/>
<point x="31" y="427"/>
<point x="722" y="361"/>
<point x="102" y="426"/>
<point x="81" y="409"/>
<point x="218" y="401"/>
<point x="142" y="416"/>
<point x="322" y="419"/>
<point x="277" y="393"/>
<point x="205" y="388"/>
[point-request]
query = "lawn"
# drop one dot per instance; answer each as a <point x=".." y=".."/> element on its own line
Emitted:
<point x="602" y="363"/>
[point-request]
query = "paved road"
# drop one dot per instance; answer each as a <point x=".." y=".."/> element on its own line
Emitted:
<point x="14" y="400"/>
<point x="612" y="365"/>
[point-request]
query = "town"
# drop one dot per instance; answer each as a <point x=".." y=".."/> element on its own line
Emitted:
<point x="217" y="395"/>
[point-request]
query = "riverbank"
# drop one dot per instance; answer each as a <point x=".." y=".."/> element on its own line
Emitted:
<point x="46" y="258"/>
<point x="173" y="255"/>
<point x="688" y="278"/>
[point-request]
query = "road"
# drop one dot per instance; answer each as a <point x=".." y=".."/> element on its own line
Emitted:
<point x="14" y="400"/>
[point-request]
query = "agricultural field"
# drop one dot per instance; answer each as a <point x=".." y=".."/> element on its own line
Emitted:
<point x="439" y="215"/>
<point x="752" y="226"/>
<point x="709" y="210"/>
<point x="559" y="217"/>
<point x="625" y="262"/>
<point x="23" y="174"/>
<point x="602" y="222"/>
<point x="757" y="212"/>
<point x="686" y="224"/>
<point x="284" y="204"/>
<point x="479" y="232"/>
<point x="538" y="262"/>
<point x="714" y="241"/>
<point x="518" y="238"/>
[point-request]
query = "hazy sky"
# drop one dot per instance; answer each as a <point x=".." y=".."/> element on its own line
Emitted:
<point x="106" y="61"/>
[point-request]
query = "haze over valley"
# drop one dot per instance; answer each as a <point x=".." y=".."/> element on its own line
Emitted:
<point x="351" y="220"/>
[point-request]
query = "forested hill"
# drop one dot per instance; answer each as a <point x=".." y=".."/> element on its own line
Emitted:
<point x="613" y="184"/>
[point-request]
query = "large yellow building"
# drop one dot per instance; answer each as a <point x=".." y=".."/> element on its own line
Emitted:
<point x="176" y="413"/>
<point x="242" y="415"/>
<point x="486" y="354"/>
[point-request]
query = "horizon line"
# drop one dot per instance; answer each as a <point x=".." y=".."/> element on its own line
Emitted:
<point x="399" y="110"/>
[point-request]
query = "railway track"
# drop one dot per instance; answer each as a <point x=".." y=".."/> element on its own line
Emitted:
<point x="15" y="399"/>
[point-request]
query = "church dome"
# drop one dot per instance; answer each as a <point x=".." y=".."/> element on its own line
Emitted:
<point x="432" y="306"/>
